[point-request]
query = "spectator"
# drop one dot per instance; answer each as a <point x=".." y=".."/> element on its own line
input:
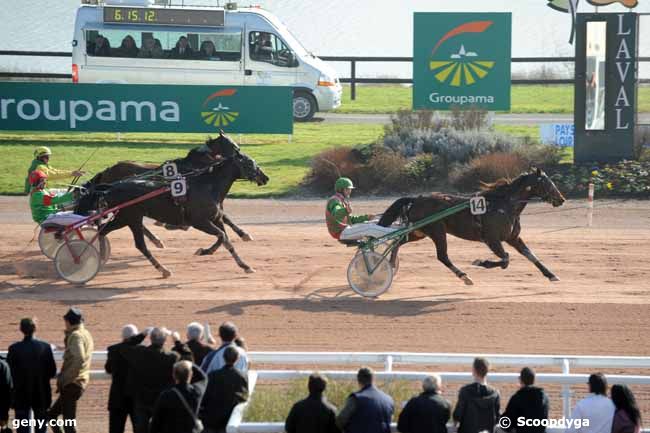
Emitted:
<point x="128" y="47"/>
<point x="195" y="333"/>
<point x="627" y="418"/>
<point x="227" y="388"/>
<point x="529" y="401"/>
<point x="368" y="410"/>
<point x="597" y="408"/>
<point x="313" y="414"/>
<point x="477" y="408"/>
<point x="75" y="371"/>
<point x="177" y="407"/>
<point x="6" y="388"/>
<point x="182" y="50"/>
<point x="120" y="398"/>
<point x="428" y="412"/>
<point x="101" y="47"/>
<point x="150" y="50"/>
<point x="214" y="360"/>
<point x="208" y="52"/>
<point x="32" y="366"/>
<point x="151" y="367"/>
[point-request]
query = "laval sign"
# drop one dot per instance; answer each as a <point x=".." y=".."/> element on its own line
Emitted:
<point x="145" y="108"/>
<point x="462" y="60"/>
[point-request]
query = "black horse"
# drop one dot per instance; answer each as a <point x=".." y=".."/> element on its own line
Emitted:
<point x="213" y="149"/>
<point x="201" y="209"/>
<point x="506" y="201"/>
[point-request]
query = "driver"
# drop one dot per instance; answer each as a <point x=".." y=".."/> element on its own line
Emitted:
<point x="341" y="224"/>
<point x="41" y="162"/>
<point x="45" y="205"/>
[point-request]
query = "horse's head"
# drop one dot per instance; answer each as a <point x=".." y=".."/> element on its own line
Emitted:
<point x="248" y="169"/>
<point x="90" y="198"/>
<point x="222" y="145"/>
<point x="540" y="185"/>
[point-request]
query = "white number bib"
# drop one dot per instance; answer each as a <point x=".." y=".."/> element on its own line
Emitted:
<point x="478" y="205"/>
<point x="179" y="187"/>
<point x="170" y="170"/>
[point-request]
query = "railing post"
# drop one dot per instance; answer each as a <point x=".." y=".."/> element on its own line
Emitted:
<point x="388" y="364"/>
<point x="353" y="80"/>
<point x="566" y="391"/>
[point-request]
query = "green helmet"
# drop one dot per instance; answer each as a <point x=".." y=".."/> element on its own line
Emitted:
<point x="42" y="151"/>
<point x="342" y="183"/>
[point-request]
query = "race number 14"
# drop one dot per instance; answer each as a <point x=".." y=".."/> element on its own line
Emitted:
<point x="478" y="205"/>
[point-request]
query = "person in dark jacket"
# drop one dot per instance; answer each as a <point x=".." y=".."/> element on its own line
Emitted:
<point x="314" y="414"/>
<point x="227" y="387"/>
<point x="151" y="368"/>
<point x="32" y="366"/>
<point x="627" y="418"/>
<point x="477" y="407"/>
<point x="120" y="397"/>
<point x="195" y="333"/>
<point x="6" y="388"/>
<point x="368" y="410"/>
<point x="176" y="410"/>
<point x="428" y="412"/>
<point x="529" y="402"/>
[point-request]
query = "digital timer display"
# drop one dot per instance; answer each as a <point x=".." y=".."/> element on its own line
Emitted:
<point x="176" y="17"/>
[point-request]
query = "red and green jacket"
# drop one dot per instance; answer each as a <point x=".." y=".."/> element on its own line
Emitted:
<point x="52" y="173"/>
<point x="44" y="203"/>
<point x="338" y="215"/>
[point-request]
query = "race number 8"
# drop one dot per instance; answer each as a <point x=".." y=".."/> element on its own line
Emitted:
<point x="170" y="170"/>
<point x="478" y="205"/>
<point x="179" y="187"/>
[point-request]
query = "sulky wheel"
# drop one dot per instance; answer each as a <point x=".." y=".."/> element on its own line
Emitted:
<point x="381" y="249"/>
<point x="77" y="261"/>
<point x="48" y="241"/>
<point x="100" y="242"/>
<point x="104" y="249"/>
<point x="372" y="280"/>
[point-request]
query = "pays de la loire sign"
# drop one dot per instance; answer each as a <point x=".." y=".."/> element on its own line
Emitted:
<point x="145" y="108"/>
<point x="462" y="60"/>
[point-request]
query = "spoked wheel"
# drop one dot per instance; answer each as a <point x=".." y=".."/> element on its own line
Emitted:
<point x="370" y="280"/>
<point x="104" y="249"/>
<point x="381" y="249"/>
<point x="49" y="240"/>
<point x="77" y="261"/>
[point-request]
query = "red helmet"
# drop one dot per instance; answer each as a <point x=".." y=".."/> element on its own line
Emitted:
<point x="36" y="176"/>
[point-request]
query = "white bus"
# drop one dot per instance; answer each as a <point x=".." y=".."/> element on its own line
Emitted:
<point x="134" y="41"/>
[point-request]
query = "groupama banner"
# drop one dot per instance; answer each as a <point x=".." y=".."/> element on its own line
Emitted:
<point x="145" y="108"/>
<point x="461" y="60"/>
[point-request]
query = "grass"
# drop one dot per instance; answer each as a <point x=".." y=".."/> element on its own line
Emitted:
<point x="272" y="402"/>
<point x="285" y="163"/>
<point x="525" y="99"/>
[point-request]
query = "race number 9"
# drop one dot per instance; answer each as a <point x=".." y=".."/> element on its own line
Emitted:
<point x="179" y="187"/>
<point x="478" y="205"/>
<point x="170" y="170"/>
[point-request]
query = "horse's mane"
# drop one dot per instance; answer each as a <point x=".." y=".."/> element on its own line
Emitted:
<point x="492" y="186"/>
<point x="504" y="185"/>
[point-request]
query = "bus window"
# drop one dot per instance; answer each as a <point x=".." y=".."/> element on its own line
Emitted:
<point x="269" y="48"/>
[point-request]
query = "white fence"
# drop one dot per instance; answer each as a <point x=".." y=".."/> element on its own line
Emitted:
<point x="389" y="360"/>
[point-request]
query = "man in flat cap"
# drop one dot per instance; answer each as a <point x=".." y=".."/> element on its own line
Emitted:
<point x="75" y="371"/>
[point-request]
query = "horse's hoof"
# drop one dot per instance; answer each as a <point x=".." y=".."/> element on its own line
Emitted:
<point x="166" y="273"/>
<point x="199" y="252"/>
<point x="554" y="278"/>
<point x="158" y="243"/>
<point x="477" y="262"/>
<point x="249" y="270"/>
<point x="247" y="238"/>
<point x="467" y="280"/>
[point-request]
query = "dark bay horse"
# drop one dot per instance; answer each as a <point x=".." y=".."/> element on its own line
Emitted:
<point x="201" y="209"/>
<point x="212" y="150"/>
<point x="506" y="201"/>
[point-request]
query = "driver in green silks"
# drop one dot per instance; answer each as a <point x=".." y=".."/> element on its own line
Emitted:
<point x="41" y="162"/>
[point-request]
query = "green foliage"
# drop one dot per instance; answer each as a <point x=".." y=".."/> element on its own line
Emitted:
<point x="626" y="178"/>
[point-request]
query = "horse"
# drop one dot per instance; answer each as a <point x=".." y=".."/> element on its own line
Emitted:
<point x="213" y="149"/>
<point x="501" y="223"/>
<point x="201" y="209"/>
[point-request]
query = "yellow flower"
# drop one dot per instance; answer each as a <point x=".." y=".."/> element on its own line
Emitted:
<point x="594" y="173"/>
<point x="609" y="185"/>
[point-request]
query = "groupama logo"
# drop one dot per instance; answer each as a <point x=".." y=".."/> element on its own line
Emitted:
<point x="463" y="67"/>
<point x="216" y="110"/>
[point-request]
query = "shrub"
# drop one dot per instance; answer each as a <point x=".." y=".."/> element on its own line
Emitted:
<point x="331" y="164"/>
<point x="488" y="168"/>
<point x="541" y="155"/>
<point x="425" y="169"/>
<point x="385" y="172"/>
<point x="472" y="119"/>
<point x="406" y="121"/>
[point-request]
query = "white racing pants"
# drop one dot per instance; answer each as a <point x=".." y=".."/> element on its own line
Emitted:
<point x="365" y="230"/>
<point x="63" y="218"/>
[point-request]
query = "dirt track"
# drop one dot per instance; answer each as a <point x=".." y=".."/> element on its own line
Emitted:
<point x="299" y="300"/>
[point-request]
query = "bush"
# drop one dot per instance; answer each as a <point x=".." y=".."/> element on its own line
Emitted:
<point x="331" y="164"/>
<point x="488" y="168"/>
<point x="472" y="119"/>
<point x="425" y="169"/>
<point x="541" y="155"/>
<point x="385" y="172"/>
<point x="405" y="121"/>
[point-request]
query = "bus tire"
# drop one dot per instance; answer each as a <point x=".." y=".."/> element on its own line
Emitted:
<point x="304" y="106"/>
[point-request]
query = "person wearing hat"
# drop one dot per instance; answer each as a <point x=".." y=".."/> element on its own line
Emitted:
<point x="42" y="162"/>
<point x="32" y="366"/>
<point x="45" y="204"/>
<point x="75" y="371"/>
<point x="341" y="224"/>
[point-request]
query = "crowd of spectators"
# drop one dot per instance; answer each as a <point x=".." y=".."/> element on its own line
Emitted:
<point x="151" y="49"/>
<point x="195" y="386"/>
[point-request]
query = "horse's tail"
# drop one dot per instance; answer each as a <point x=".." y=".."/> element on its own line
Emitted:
<point x="395" y="210"/>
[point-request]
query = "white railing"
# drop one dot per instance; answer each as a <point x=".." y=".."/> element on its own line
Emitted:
<point x="390" y="359"/>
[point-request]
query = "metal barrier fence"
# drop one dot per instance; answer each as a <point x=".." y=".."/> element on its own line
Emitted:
<point x="353" y="80"/>
<point x="391" y="359"/>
